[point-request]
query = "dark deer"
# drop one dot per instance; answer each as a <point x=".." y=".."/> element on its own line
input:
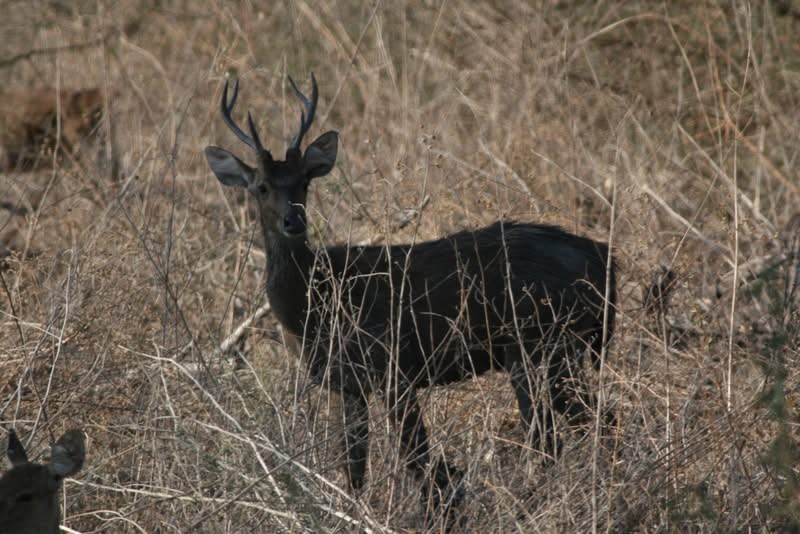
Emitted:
<point x="29" y="491"/>
<point x="391" y="319"/>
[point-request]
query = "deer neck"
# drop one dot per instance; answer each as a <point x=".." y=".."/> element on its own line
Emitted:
<point x="289" y="262"/>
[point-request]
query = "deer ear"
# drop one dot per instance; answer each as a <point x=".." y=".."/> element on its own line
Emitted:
<point x="68" y="454"/>
<point x="15" y="451"/>
<point x="321" y="155"/>
<point x="230" y="170"/>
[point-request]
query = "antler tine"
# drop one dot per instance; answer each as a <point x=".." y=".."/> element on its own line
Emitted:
<point x="259" y="147"/>
<point x="307" y="115"/>
<point x="253" y="142"/>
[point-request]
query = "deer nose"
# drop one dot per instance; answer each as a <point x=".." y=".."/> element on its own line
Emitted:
<point x="294" y="223"/>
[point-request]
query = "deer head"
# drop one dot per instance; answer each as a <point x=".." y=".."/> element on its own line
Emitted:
<point x="29" y="491"/>
<point x="279" y="186"/>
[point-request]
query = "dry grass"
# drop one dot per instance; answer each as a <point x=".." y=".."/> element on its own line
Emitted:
<point x="679" y="121"/>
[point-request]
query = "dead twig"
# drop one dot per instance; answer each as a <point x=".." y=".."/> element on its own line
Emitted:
<point x="240" y="330"/>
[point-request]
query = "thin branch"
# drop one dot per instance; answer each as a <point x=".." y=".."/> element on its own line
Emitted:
<point x="240" y="330"/>
<point x="13" y="310"/>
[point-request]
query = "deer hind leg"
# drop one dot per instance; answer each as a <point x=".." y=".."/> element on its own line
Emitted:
<point x="593" y="345"/>
<point x="526" y="380"/>
<point x="562" y="373"/>
<point x="570" y="393"/>
<point x="522" y="375"/>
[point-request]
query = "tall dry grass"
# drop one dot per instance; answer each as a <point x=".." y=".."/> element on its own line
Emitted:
<point x="670" y="129"/>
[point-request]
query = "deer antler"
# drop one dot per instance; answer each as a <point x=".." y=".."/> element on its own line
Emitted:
<point x="253" y="142"/>
<point x="307" y="115"/>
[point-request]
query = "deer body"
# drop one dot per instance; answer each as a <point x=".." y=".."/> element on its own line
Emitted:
<point x="439" y="288"/>
<point x="390" y="319"/>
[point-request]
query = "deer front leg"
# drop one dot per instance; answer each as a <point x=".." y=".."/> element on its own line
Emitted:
<point x="442" y="492"/>
<point x="356" y="438"/>
<point x="405" y="414"/>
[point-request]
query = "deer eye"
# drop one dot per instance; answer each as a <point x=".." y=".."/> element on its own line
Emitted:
<point x="25" y="497"/>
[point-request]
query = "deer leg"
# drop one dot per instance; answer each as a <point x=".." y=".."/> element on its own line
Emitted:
<point x="522" y="383"/>
<point x="405" y="413"/>
<point x="563" y="380"/>
<point x="564" y="377"/>
<point x="356" y="438"/>
<point x="537" y="424"/>
<point x="585" y="400"/>
<point x="443" y="490"/>
<point x="520" y="365"/>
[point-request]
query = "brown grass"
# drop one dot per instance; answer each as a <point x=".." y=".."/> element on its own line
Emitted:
<point x="680" y="120"/>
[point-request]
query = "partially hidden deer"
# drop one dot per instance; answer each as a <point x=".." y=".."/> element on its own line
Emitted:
<point x="29" y="491"/>
<point x="527" y="299"/>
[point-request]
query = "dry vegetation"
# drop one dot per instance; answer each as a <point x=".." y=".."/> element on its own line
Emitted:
<point x="669" y="129"/>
